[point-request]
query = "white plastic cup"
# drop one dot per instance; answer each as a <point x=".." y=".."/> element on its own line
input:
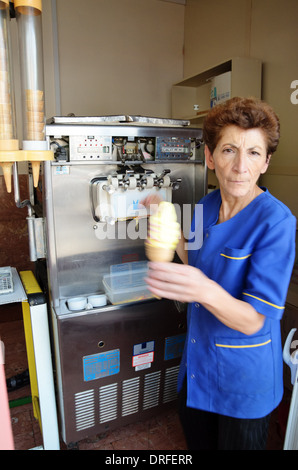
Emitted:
<point x="77" y="303"/>
<point x="99" y="300"/>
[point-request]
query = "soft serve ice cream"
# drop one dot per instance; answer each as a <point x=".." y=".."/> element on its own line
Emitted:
<point x="163" y="233"/>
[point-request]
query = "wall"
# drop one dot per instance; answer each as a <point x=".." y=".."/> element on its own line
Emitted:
<point x="14" y="246"/>
<point x="274" y="38"/>
<point x="119" y="56"/>
<point x="216" y="30"/>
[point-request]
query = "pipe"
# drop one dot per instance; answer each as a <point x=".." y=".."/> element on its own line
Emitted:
<point x="30" y="219"/>
<point x="17" y="198"/>
<point x="18" y="381"/>
<point x="20" y="402"/>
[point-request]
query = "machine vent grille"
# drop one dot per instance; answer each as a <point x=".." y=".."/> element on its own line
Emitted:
<point x="151" y="390"/>
<point x="170" y="384"/>
<point x="84" y="410"/>
<point x="108" y="403"/>
<point x="130" y="396"/>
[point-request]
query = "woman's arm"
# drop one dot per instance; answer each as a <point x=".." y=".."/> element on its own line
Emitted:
<point x="188" y="284"/>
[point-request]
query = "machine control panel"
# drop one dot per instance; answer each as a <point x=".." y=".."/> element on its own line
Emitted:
<point x="173" y="148"/>
<point x="104" y="148"/>
<point x="90" y="147"/>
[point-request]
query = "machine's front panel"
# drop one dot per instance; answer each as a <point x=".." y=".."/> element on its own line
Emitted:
<point x="85" y="248"/>
<point x="119" y="365"/>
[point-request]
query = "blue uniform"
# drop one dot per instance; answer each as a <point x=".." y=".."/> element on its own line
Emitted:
<point x="251" y="256"/>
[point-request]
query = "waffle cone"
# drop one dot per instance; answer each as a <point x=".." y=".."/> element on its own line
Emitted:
<point x="6" y="167"/>
<point x="35" y="172"/>
<point x="155" y="253"/>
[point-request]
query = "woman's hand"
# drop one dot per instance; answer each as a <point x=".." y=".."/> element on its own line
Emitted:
<point x="151" y="203"/>
<point x="188" y="284"/>
<point x="176" y="281"/>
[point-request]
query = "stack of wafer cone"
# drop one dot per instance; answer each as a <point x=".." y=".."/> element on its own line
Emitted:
<point x="6" y="117"/>
<point x="35" y="115"/>
<point x="35" y="124"/>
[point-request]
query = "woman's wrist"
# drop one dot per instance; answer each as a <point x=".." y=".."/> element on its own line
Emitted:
<point x="208" y="292"/>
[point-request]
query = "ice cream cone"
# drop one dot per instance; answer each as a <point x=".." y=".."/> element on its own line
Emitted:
<point x="163" y="233"/>
<point x="35" y="172"/>
<point x="156" y="253"/>
<point x="6" y="166"/>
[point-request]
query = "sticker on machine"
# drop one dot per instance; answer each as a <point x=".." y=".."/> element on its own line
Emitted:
<point x="61" y="170"/>
<point x="174" y="346"/>
<point x="142" y="367"/>
<point x="142" y="359"/>
<point x="143" y="355"/>
<point x="97" y="366"/>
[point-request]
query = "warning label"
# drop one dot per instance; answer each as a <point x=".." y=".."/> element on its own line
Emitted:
<point x="141" y="359"/>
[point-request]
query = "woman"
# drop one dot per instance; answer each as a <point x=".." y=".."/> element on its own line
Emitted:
<point x="236" y="284"/>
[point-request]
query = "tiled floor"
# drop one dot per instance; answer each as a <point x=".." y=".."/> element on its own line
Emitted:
<point x="163" y="432"/>
<point x="160" y="433"/>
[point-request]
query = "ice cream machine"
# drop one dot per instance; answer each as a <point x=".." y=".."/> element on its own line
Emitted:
<point x="117" y="349"/>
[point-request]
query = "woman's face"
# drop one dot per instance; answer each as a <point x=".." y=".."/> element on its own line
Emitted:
<point x="239" y="158"/>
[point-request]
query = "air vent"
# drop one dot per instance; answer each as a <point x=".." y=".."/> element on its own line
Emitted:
<point x="130" y="396"/>
<point x="84" y="410"/>
<point x="151" y="390"/>
<point x="108" y="403"/>
<point x="170" y="385"/>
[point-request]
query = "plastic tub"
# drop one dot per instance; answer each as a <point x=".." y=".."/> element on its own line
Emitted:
<point x="124" y="287"/>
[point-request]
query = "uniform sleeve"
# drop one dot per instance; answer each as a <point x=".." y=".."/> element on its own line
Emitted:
<point x="270" y="269"/>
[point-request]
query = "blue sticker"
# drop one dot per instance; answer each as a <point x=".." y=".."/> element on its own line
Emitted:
<point x="143" y="348"/>
<point x="174" y="346"/>
<point x="101" y="365"/>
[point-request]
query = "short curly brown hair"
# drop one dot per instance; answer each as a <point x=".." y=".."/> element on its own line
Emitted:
<point x="247" y="113"/>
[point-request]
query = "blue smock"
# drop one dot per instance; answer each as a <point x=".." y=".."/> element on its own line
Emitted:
<point x="251" y="256"/>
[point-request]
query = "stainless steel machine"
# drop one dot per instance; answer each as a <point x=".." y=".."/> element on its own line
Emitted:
<point x="117" y="362"/>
